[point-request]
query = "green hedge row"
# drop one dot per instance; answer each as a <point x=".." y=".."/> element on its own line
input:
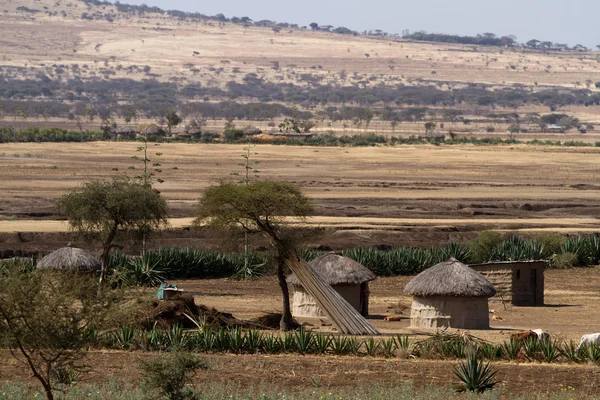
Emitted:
<point x="172" y="263"/>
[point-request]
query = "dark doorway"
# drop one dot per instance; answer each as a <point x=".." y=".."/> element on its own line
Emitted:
<point x="364" y="299"/>
<point x="533" y="285"/>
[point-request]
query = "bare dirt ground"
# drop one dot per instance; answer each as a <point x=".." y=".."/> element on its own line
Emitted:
<point x="293" y="373"/>
<point x="571" y="309"/>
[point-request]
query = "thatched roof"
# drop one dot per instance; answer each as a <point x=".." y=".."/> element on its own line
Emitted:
<point x="177" y="131"/>
<point x="150" y="129"/>
<point x="125" y="129"/>
<point x="70" y="258"/>
<point x="336" y="269"/>
<point x="450" y="278"/>
<point x="252" y="130"/>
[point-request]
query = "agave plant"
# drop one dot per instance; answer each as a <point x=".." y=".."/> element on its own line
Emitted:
<point x="511" y="349"/>
<point x="125" y="337"/>
<point x="475" y="376"/>
<point x="371" y="346"/>
<point x="339" y="345"/>
<point x="517" y="249"/>
<point x="388" y="347"/>
<point x="550" y="350"/>
<point x="322" y="343"/>
<point x="303" y="340"/>
<point x="579" y="246"/>
<point x="573" y="352"/>
<point x="141" y="271"/>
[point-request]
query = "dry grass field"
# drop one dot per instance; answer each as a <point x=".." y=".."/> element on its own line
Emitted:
<point x="409" y="195"/>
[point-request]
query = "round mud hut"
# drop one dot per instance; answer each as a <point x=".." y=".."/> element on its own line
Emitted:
<point x="348" y="277"/>
<point x="450" y="294"/>
<point x="70" y="258"/>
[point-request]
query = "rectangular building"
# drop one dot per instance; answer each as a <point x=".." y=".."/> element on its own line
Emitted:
<point x="520" y="283"/>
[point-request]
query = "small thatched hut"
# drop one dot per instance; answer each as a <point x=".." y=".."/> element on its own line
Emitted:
<point x="70" y="258"/>
<point x="450" y="294"/>
<point x="348" y="277"/>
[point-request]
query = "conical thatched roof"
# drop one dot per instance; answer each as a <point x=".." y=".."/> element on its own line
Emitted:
<point x="70" y="258"/>
<point x="336" y="269"/>
<point x="450" y="278"/>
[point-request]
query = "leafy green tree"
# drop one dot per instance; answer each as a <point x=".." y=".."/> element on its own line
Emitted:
<point x="258" y="207"/>
<point x="47" y="319"/>
<point x="102" y="209"/>
<point x="173" y="119"/>
<point x="430" y="127"/>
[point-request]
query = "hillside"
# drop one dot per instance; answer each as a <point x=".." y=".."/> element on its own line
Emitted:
<point x="67" y="59"/>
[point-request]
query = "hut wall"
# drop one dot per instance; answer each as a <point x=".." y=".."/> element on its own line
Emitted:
<point x="451" y="311"/>
<point x="521" y="282"/>
<point x="304" y="305"/>
<point x="501" y="276"/>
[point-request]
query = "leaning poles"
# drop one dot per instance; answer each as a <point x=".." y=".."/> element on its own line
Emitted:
<point x="341" y="314"/>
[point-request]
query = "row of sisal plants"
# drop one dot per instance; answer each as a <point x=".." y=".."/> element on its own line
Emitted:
<point x="439" y="346"/>
<point x="187" y="263"/>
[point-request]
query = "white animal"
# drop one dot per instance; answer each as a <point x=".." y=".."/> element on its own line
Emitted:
<point x="541" y="334"/>
<point x="590" y="338"/>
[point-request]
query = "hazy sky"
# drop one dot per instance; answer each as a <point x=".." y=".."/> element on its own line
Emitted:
<point x="561" y="21"/>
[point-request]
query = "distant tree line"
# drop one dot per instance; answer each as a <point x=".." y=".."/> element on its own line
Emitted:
<point x="490" y="39"/>
<point x="483" y="39"/>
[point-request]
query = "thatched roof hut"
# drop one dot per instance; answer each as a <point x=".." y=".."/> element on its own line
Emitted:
<point x="178" y="131"/>
<point x="70" y="258"/>
<point x="348" y="277"/>
<point x="251" y="131"/>
<point x="450" y="294"/>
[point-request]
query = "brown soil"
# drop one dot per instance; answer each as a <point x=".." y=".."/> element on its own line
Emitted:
<point x="571" y="308"/>
<point x="296" y="373"/>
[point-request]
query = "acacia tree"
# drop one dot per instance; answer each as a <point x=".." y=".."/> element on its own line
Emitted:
<point x="47" y="319"/>
<point x="258" y="207"/>
<point x="102" y="209"/>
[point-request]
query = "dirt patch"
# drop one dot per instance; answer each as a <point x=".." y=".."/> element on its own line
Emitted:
<point x="293" y="373"/>
<point x="183" y="311"/>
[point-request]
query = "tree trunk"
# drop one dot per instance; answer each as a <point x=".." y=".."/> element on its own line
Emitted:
<point x="107" y="245"/>
<point x="286" y="315"/>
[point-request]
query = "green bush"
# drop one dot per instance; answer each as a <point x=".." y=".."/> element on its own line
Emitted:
<point x="171" y="374"/>
<point x="551" y="241"/>
<point x="233" y="135"/>
<point x="483" y="246"/>
<point x="563" y="261"/>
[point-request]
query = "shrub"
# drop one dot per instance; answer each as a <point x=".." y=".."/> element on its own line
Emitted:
<point x="552" y="241"/>
<point x="233" y="135"/>
<point x="483" y="245"/>
<point x="170" y="375"/>
<point x="563" y="261"/>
